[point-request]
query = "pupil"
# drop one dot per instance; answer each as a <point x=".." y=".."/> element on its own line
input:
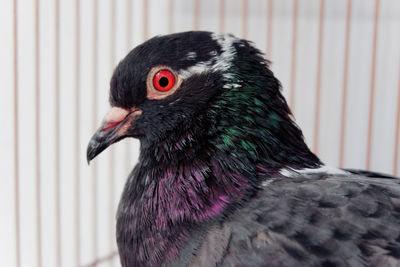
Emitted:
<point x="163" y="81"/>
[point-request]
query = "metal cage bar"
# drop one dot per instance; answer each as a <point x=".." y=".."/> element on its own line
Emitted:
<point x="293" y="62"/>
<point x="372" y="86"/>
<point x="319" y="74"/>
<point x="16" y="132"/>
<point x="345" y="85"/>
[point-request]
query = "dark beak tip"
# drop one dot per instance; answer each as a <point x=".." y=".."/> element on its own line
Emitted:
<point x="91" y="151"/>
<point x="95" y="147"/>
<point x="88" y="156"/>
<point x="88" y="160"/>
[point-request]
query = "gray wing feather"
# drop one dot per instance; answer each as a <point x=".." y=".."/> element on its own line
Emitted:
<point x="317" y="220"/>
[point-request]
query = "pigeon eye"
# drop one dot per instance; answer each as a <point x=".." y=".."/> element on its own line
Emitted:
<point x="163" y="80"/>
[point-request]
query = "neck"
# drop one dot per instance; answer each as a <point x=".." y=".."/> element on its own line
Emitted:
<point x="168" y="194"/>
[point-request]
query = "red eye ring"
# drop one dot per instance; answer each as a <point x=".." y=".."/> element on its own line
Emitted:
<point x="163" y="80"/>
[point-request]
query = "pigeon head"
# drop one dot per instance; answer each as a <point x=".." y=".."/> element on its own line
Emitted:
<point x="191" y="90"/>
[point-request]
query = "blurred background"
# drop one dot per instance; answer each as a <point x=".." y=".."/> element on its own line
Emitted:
<point x="338" y="61"/>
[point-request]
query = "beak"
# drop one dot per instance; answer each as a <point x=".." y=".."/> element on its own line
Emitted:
<point x="114" y="127"/>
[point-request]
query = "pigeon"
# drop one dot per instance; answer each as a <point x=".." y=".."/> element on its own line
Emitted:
<point x="224" y="176"/>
